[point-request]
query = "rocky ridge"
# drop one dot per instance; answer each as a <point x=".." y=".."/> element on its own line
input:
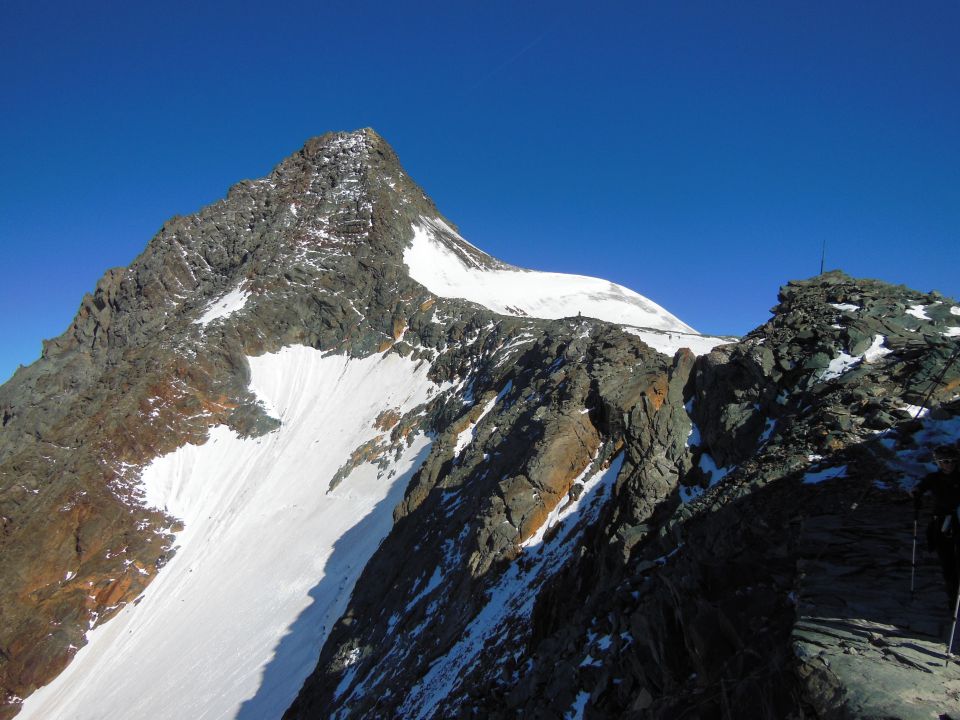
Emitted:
<point x="751" y="479"/>
<point x="598" y="528"/>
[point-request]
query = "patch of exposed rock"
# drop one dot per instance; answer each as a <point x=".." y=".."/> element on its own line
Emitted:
<point x="751" y="560"/>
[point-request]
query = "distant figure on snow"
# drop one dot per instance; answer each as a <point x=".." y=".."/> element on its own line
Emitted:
<point x="943" y="532"/>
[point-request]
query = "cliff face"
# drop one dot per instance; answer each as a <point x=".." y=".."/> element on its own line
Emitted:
<point x="752" y="557"/>
<point x="312" y="420"/>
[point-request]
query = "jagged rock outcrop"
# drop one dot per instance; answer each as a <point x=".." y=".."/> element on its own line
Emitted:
<point x="692" y="594"/>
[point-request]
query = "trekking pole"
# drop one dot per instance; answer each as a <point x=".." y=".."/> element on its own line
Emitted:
<point x="953" y="629"/>
<point x="916" y="511"/>
<point x="913" y="556"/>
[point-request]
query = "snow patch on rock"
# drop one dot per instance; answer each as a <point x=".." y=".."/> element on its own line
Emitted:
<point x="467" y="435"/>
<point x="668" y="342"/>
<point x="224" y="306"/>
<point x="845" y="362"/>
<point x="816" y="477"/>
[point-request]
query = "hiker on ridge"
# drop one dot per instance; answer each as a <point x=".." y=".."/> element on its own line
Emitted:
<point x="943" y="532"/>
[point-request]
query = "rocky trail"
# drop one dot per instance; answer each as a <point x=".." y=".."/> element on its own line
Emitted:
<point x="871" y="647"/>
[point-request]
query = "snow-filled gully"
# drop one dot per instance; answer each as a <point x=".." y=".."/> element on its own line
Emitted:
<point x="233" y="623"/>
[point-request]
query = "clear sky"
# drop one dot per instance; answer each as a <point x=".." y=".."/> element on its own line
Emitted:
<point x="697" y="152"/>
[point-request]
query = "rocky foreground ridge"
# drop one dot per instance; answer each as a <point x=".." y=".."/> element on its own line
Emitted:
<point x="751" y="559"/>
<point x="598" y="529"/>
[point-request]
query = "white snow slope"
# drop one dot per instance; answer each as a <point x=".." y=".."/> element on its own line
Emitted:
<point x="513" y="291"/>
<point x="232" y="625"/>
<point x="669" y="341"/>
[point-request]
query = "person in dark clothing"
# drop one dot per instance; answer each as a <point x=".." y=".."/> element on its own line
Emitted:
<point x="943" y="532"/>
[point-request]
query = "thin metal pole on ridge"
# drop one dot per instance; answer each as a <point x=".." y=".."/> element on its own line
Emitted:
<point x="913" y="556"/>
<point x="953" y="629"/>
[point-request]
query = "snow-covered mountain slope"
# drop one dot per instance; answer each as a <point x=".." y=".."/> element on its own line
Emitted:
<point x="436" y="259"/>
<point x="152" y="380"/>
<point x="268" y="555"/>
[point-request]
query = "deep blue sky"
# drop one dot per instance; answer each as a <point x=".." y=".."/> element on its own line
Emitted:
<point x="697" y="152"/>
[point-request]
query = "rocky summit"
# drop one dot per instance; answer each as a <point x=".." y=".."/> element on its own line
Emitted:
<point x="313" y="454"/>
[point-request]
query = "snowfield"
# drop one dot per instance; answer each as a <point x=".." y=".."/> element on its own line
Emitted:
<point x="511" y="291"/>
<point x="668" y="342"/>
<point x="233" y="624"/>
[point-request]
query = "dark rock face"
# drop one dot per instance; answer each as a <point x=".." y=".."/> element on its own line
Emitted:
<point x="598" y="526"/>
<point x="686" y="595"/>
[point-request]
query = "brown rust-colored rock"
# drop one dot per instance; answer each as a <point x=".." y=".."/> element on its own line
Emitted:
<point x="387" y="420"/>
<point x="567" y="449"/>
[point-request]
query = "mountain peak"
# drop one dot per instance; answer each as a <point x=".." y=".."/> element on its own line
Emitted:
<point x="337" y="138"/>
<point x="312" y="421"/>
<point x="364" y="140"/>
<point x="336" y="265"/>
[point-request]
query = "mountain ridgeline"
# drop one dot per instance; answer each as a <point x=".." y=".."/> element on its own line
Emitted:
<point x="313" y="454"/>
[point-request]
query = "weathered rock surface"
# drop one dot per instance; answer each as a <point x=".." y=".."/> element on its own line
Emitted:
<point x="689" y="595"/>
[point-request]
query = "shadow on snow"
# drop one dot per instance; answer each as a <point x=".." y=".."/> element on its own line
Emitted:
<point x="296" y="655"/>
